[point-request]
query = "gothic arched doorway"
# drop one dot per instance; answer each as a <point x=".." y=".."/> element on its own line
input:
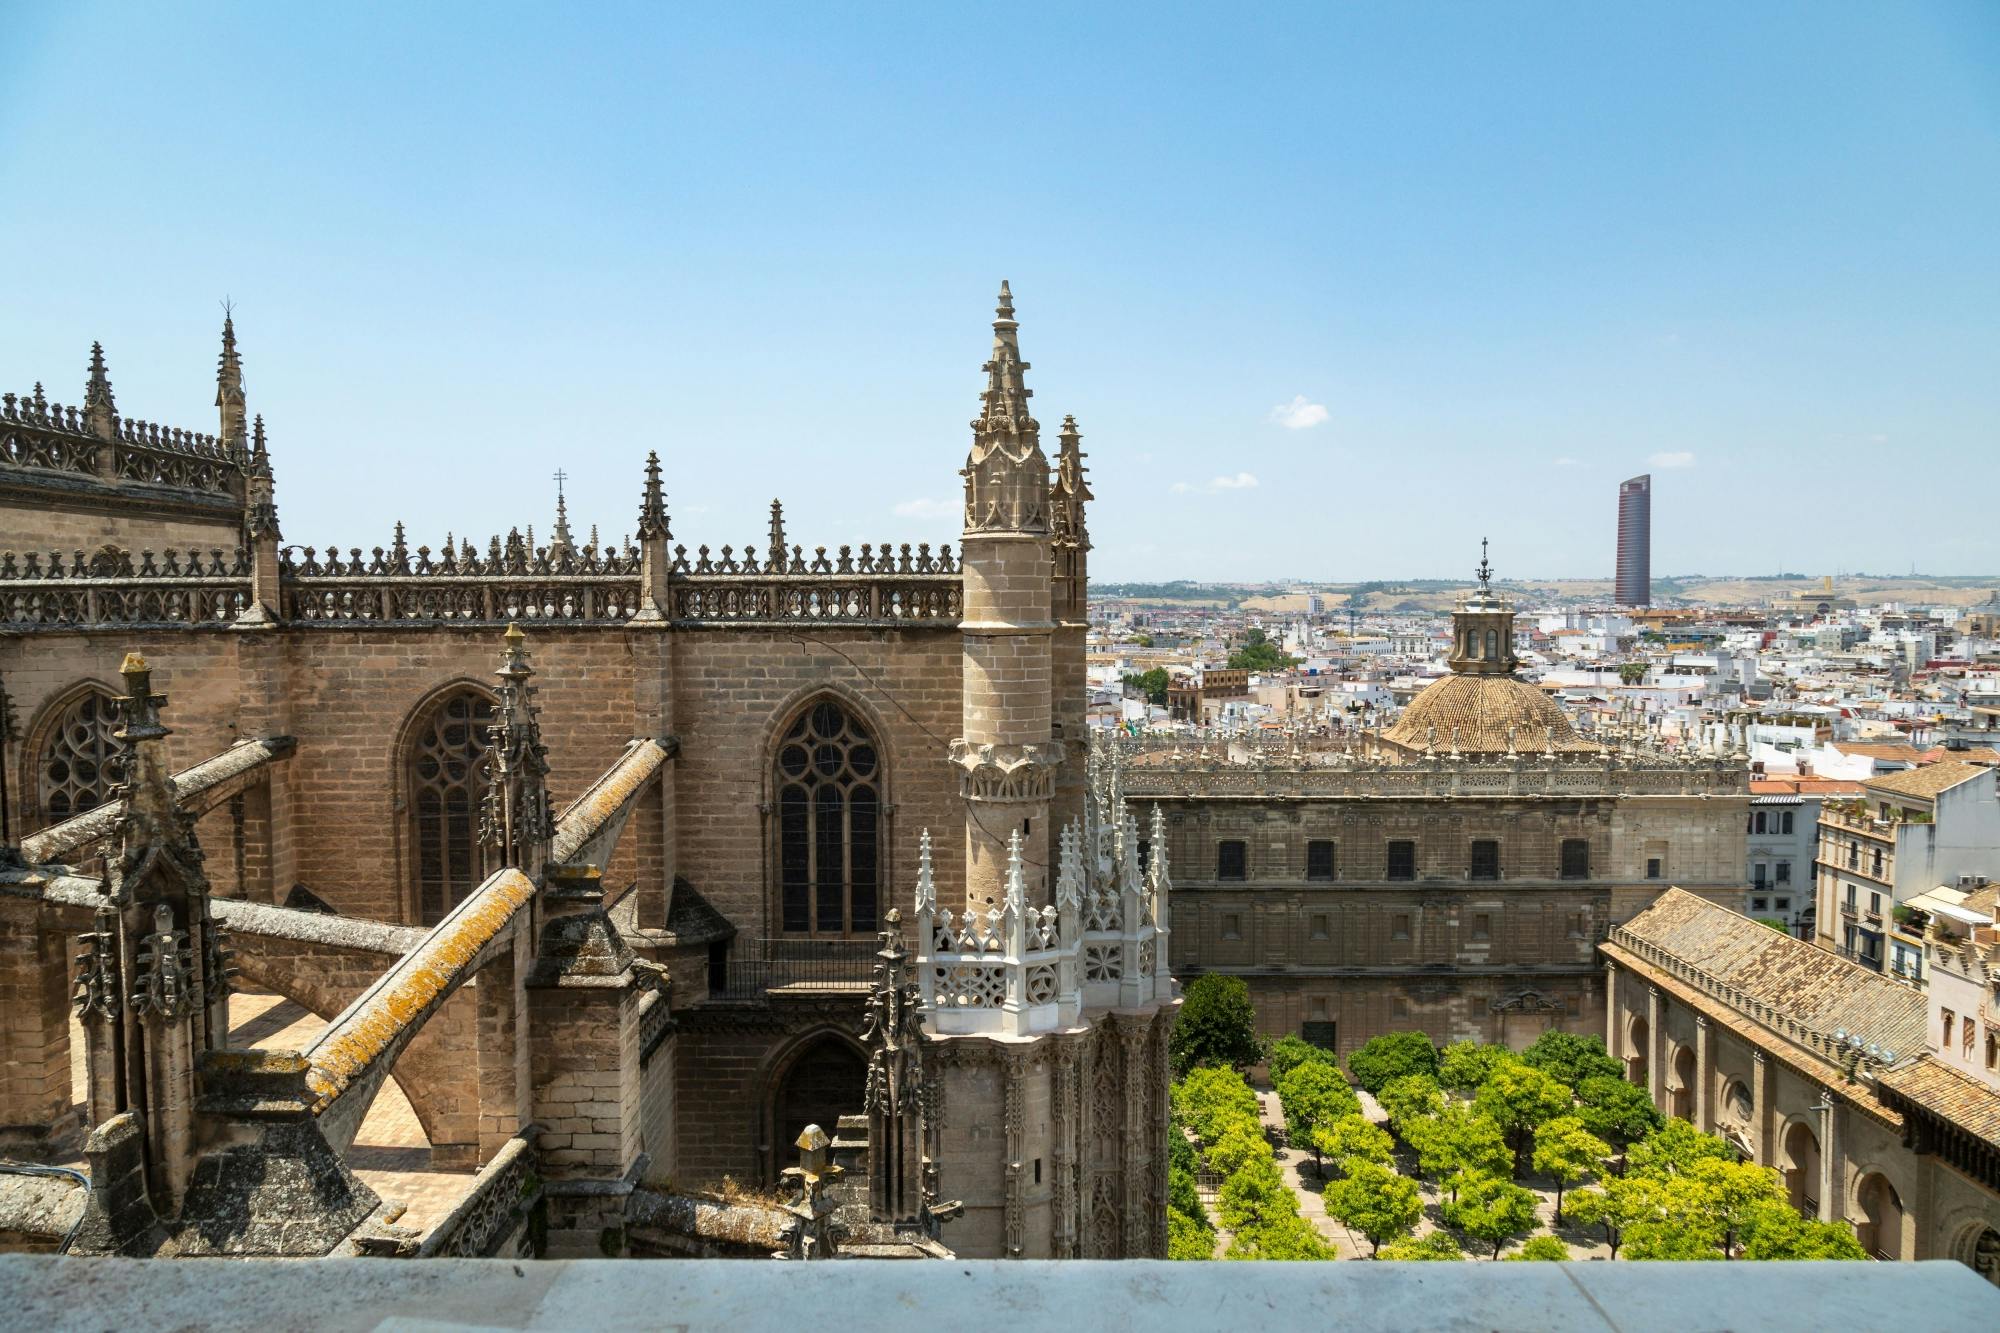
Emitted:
<point x="1681" y="1100"/>
<point x="822" y="1082"/>
<point x="1880" y="1227"/>
<point x="1801" y="1167"/>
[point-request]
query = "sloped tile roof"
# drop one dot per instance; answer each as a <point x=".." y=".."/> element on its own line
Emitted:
<point x="1926" y="781"/>
<point x="1815" y="987"/>
<point x="1944" y="1091"/>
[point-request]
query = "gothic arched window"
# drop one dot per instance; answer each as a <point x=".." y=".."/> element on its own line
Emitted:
<point x="81" y="763"/>
<point x="446" y="761"/>
<point x="829" y="785"/>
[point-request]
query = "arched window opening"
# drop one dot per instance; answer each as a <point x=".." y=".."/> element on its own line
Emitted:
<point x="826" y="1082"/>
<point x="81" y="764"/>
<point x="829" y="783"/>
<point x="1492" y="646"/>
<point x="447" y="776"/>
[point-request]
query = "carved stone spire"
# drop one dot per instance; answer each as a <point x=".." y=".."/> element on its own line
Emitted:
<point x="777" y="549"/>
<point x="653" y="505"/>
<point x="100" y="413"/>
<point x="1069" y="491"/>
<point x="229" y="385"/>
<point x="1006" y="474"/>
<point x="516" y="822"/>
<point x="560" y="543"/>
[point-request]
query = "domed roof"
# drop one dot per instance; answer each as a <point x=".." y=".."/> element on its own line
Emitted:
<point x="1474" y="713"/>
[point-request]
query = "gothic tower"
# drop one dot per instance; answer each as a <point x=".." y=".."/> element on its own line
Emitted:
<point x="1070" y="610"/>
<point x="1005" y="754"/>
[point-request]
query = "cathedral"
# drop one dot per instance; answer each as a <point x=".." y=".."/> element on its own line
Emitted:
<point x="640" y="870"/>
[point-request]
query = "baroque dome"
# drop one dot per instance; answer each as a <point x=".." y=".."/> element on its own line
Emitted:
<point x="1473" y="714"/>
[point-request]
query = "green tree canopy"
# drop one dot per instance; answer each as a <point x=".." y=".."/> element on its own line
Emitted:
<point x="1572" y="1057"/>
<point x="1314" y="1093"/>
<point x="1464" y="1065"/>
<point x="1254" y="1195"/>
<point x="1674" y="1149"/>
<point x="1288" y="1052"/>
<point x="1376" y="1202"/>
<point x="1518" y="1097"/>
<point x="1352" y="1139"/>
<point x="1152" y="684"/>
<point x="1408" y="1099"/>
<point x="1241" y="1142"/>
<point x="1185" y="1239"/>
<point x="1259" y="654"/>
<point x="1282" y="1238"/>
<point x="1209" y="1099"/>
<point x="1217" y="1025"/>
<point x="1458" y="1143"/>
<point x="1392" y="1055"/>
<point x="1780" y="1233"/>
<point x="1541" y="1248"/>
<point x="1614" y="1110"/>
<point x="1567" y="1152"/>
<point x="1183" y="1197"/>
<point x="1439" y="1245"/>
<point x="1616" y="1203"/>
<point x="1493" y="1210"/>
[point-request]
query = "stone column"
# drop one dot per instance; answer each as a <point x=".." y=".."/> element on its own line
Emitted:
<point x="1764" y="1118"/>
<point x="506" y="1103"/>
<point x="1704" y="1075"/>
<point x="1830" y="1174"/>
<point x="1611" y="1025"/>
<point x="1656" y="1045"/>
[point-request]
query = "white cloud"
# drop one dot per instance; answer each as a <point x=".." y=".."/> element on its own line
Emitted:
<point x="1676" y="458"/>
<point x="1242" y="481"/>
<point x="1299" y="414"/>
<point x="926" y="507"/>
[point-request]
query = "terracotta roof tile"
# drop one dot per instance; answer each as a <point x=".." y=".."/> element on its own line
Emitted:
<point x="1938" y="1088"/>
<point x="1814" y="986"/>
<point x="1926" y="781"/>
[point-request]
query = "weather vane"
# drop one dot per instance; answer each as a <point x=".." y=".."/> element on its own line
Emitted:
<point x="1485" y="569"/>
<point x="561" y="477"/>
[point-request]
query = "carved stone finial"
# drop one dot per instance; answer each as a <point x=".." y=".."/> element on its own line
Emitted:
<point x="653" y="507"/>
<point x="1006" y="474"/>
<point x="100" y="412"/>
<point x="516" y="820"/>
<point x="229" y="397"/>
<point x="777" y="546"/>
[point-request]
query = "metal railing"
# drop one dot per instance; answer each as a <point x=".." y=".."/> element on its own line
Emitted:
<point x="755" y="968"/>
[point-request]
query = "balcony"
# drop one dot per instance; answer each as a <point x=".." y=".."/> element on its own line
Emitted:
<point x="1863" y="823"/>
<point x="797" y="966"/>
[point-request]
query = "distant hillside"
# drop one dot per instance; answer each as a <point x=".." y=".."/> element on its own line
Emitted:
<point x="1419" y="595"/>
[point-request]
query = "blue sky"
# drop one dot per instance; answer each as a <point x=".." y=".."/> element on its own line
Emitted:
<point x="1333" y="290"/>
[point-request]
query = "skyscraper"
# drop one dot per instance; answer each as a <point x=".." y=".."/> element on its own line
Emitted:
<point x="1635" y="541"/>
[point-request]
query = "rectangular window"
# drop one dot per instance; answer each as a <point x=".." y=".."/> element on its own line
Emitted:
<point x="1482" y="926"/>
<point x="1319" y="929"/>
<point x="1232" y="927"/>
<point x="1785" y="822"/>
<point x="1485" y="859"/>
<point x="1399" y="926"/>
<point x="1399" y="1007"/>
<point x="1320" y="1034"/>
<point x="1759" y="873"/>
<point x="1784" y="904"/>
<point x="1874" y="904"/>
<point x="1145" y="855"/>
<point x="1576" y="925"/>
<point x="1784" y="869"/>
<point x="1231" y="862"/>
<point x="1576" y="858"/>
<point x="1759" y="904"/>
<point x="1654" y="867"/>
<point x="1757" y="822"/>
<point x="1850" y="897"/>
<point x="1319" y="860"/>
<point x="1402" y="860"/>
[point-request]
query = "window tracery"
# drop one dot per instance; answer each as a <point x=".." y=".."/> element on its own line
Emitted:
<point x="828" y="778"/>
<point x="446" y="761"/>
<point x="80" y="764"/>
